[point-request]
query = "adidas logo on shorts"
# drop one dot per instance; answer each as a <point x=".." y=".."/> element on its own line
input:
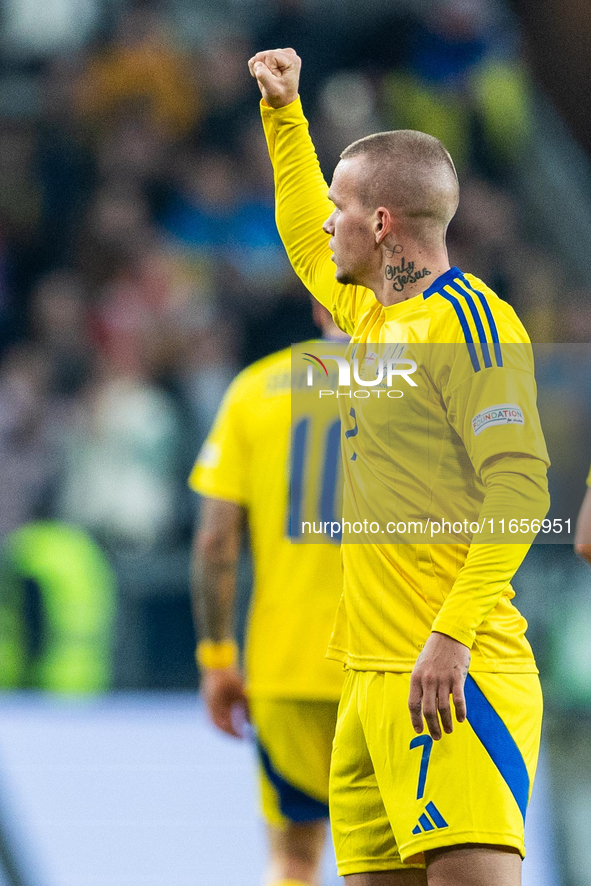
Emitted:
<point x="431" y="822"/>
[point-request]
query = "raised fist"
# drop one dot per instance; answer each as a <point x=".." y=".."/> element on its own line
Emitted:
<point x="277" y="71"/>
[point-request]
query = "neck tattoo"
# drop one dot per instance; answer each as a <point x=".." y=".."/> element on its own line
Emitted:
<point x="404" y="274"/>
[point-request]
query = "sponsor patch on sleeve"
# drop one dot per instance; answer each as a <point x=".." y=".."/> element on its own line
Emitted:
<point x="502" y="414"/>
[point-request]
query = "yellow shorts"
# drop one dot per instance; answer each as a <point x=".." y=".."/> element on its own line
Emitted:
<point x="395" y="794"/>
<point x="294" y="741"/>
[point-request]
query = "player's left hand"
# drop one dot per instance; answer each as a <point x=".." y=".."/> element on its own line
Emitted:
<point x="440" y="672"/>
<point x="225" y="698"/>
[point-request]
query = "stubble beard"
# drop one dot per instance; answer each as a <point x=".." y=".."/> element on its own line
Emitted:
<point x="345" y="277"/>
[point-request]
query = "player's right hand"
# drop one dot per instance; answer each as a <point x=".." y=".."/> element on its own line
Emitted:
<point x="440" y="672"/>
<point x="225" y="699"/>
<point x="277" y="72"/>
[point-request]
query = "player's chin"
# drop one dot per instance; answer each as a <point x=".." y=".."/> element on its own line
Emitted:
<point x="343" y="276"/>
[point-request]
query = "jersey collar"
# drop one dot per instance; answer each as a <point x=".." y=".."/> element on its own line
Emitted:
<point x="442" y="280"/>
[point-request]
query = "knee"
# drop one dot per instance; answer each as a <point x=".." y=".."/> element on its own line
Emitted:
<point x="300" y="842"/>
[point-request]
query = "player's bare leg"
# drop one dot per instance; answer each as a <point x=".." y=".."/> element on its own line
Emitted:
<point x="411" y="877"/>
<point x="295" y="852"/>
<point x="474" y="865"/>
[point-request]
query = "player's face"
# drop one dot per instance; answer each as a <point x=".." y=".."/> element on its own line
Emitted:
<point x="350" y="226"/>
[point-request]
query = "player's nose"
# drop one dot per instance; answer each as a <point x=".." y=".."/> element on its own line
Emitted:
<point x="328" y="226"/>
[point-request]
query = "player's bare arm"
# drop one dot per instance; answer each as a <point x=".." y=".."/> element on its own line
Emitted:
<point x="583" y="530"/>
<point x="277" y="72"/>
<point x="215" y="560"/>
<point x="440" y="673"/>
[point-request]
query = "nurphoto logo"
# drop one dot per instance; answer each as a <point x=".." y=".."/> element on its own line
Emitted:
<point x="385" y="372"/>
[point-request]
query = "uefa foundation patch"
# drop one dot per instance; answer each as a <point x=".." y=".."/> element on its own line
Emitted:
<point x="503" y="414"/>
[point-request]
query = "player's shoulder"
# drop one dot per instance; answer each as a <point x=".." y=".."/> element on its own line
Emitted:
<point x="269" y="374"/>
<point x="351" y="303"/>
<point x="463" y="308"/>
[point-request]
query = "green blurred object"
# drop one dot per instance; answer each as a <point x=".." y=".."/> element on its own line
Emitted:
<point x="412" y="104"/>
<point x="502" y="94"/>
<point x="78" y="601"/>
<point x="497" y="91"/>
<point x="570" y="665"/>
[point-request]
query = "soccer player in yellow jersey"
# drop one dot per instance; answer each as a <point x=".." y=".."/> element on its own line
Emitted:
<point x="445" y="807"/>
<point x="290" y="689"/>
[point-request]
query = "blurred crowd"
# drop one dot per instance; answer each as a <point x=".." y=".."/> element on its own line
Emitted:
<point x="140" y="266"/>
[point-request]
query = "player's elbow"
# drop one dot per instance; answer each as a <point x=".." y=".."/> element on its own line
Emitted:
<point x="212" y="546"/>
<point x="538" y="492"/>
<point x="583" y="551"/>
<point x="544" y="502"/>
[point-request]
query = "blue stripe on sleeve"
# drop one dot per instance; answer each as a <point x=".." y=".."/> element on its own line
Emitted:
<point x="498" y="741"/>
<point x="479" y="327"/>
<point x="491" y="321"/>
<point x="465" y="328"/>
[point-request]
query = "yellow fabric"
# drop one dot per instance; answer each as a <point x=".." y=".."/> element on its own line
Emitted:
<point x="375" y="775"/>
<point x="296" y="587"/>
<point x="394" y="595"/>
<point x="589" y="478"/>
<point x="297" y="737"/>
<point x="302" y="208"/>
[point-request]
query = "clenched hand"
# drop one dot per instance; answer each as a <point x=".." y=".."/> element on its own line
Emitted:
<point x="277" y="72"/>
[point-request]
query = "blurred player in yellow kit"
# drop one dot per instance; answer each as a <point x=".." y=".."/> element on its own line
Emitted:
<point x="445" y="807"/>
<point x="290" y="690"/>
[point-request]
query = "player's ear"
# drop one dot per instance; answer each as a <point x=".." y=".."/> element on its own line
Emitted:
<point x="383" y="224"/>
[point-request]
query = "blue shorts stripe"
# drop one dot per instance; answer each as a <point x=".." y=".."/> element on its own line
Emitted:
<point x="479" y="327"/>
<point x="498" y="741"/>
<point x="465" y="328"/>
<point x="491" y="321"/>
<point x="294" y="804"/>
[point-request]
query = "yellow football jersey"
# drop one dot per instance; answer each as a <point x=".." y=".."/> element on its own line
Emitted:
<point x="395" y="594"/>
<point x="246" y="459"/>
